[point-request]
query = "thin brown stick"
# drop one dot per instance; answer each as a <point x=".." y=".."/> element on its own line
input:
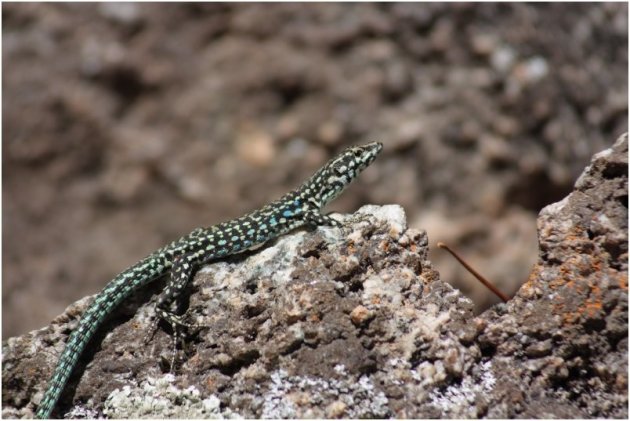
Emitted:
<point x="476" y="274"/>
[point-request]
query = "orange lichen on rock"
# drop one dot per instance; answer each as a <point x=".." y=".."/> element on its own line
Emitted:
<point x="622" y="280"/>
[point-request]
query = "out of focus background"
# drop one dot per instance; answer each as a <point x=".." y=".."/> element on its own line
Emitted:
<point x="126" y="125"/>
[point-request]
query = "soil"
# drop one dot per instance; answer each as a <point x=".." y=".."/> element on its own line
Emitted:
<point x="127" y="125"/>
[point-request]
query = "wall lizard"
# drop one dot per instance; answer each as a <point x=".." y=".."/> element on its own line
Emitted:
<point x="182" y="258"/>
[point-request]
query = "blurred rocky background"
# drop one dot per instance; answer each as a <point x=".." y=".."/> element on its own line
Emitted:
<point x="127" y="125"/>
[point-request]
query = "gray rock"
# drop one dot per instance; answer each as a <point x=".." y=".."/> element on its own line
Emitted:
<point x="560" y="347"/>
<point x="329" y="323"/>
<point x="356" y="323"/>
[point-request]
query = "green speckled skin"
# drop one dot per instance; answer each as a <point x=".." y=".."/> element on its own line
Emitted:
<point x="184" y="256"/>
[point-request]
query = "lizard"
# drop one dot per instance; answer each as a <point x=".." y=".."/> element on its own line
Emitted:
<point x="183" y="257"/>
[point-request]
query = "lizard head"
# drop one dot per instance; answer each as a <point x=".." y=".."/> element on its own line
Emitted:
<point x="335" y="176"/>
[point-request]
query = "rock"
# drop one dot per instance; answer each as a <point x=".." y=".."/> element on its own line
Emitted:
<point x="571" y="316"/>
<point x="328" y="323"/>
<point x="360" y="315"/>
<point x="355" y="323"/>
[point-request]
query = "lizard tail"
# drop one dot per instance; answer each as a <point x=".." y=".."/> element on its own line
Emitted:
<point x="115" y="292"/>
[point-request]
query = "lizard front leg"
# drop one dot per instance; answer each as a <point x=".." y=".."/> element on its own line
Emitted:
<point x="315" y="219"/>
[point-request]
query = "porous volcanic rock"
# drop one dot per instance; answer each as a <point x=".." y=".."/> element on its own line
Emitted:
<point x="329" y="323"/>
<point x="560" y="347"/>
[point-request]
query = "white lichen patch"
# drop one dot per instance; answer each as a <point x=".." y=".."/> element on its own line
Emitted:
<point x="161" y="398"/>
<point x="420" y="325"/>
<point x="81" y="413"/>
<point x="388" y="285"/>
<point x="273" y="263"/>
<point x="393" y="215"/>
<point x="303" y="397"/>
<point x="462" y="398"/>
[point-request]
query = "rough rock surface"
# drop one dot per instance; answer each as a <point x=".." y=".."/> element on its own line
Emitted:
<point x="356" y="323"/>
<point x="560" y="347"/>
<point x="320" y="324"/>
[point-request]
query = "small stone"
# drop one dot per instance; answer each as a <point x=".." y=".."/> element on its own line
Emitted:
<point x="484" y="44"/>
<point x="360" y="315"/>
<point x="336" y="409"/>
<point x="330" y="133"/>
<point x="538" y="349"/>
<point x="256" y="147"/>
<point x="503" y="58"/>
<point x="125" y="13"/>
